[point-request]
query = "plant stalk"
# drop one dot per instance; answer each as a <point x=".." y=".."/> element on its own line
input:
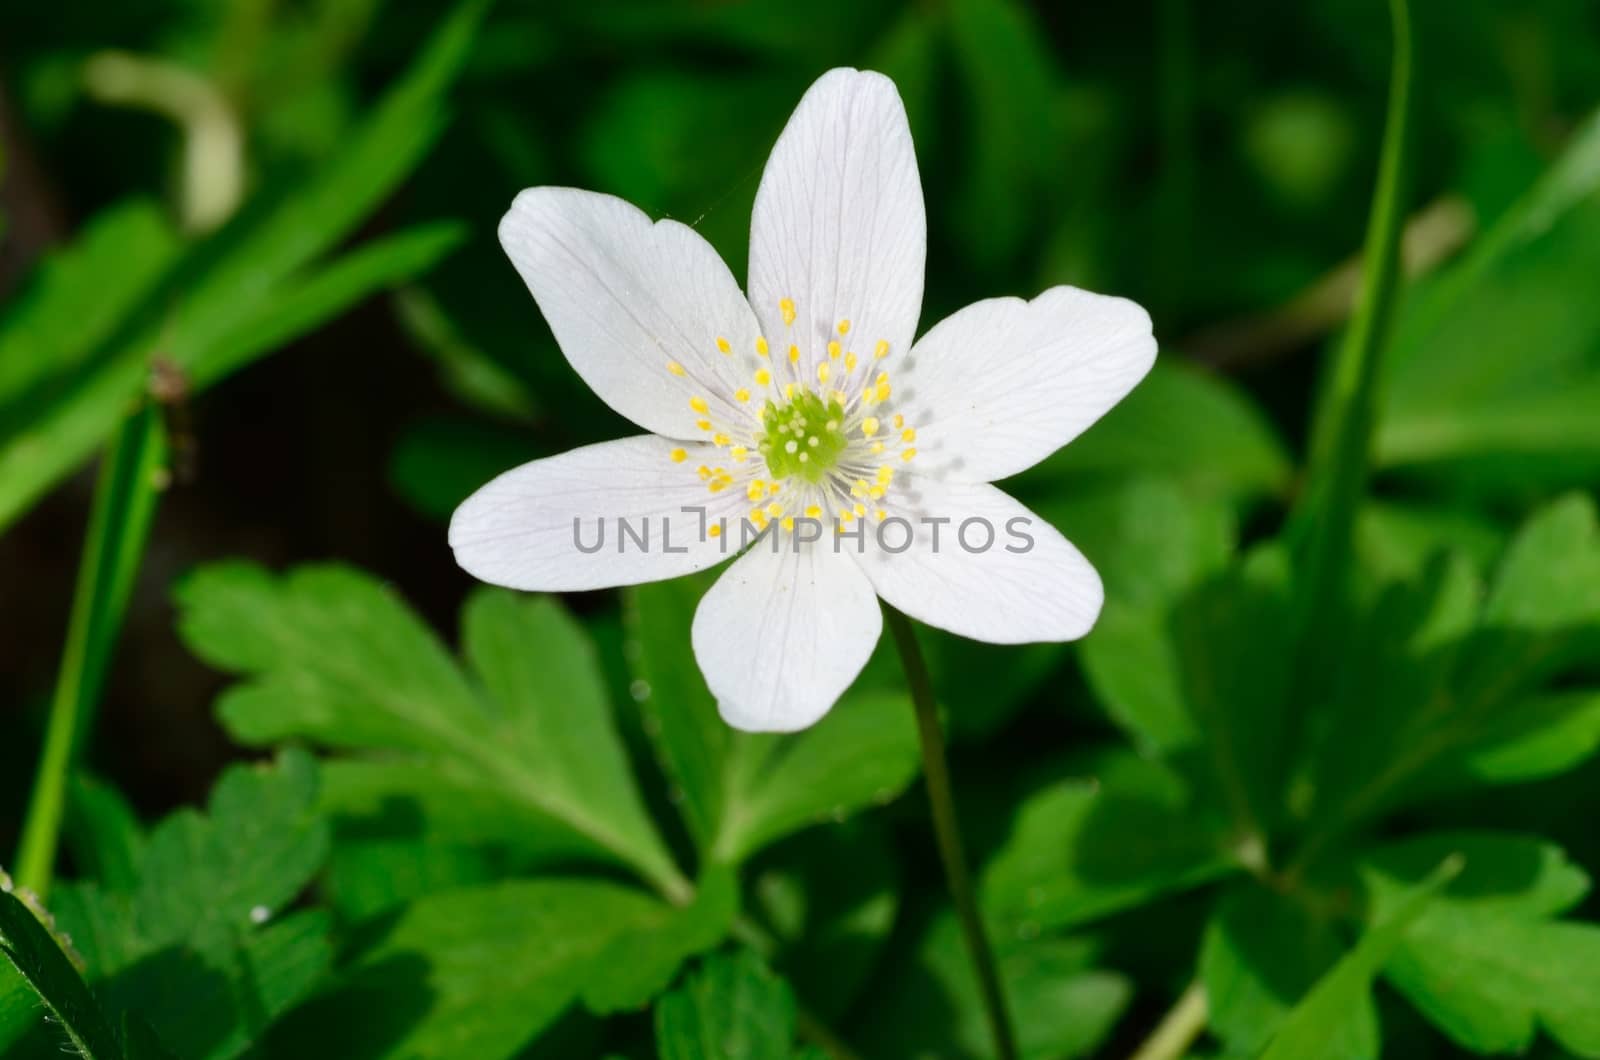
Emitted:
<point x="1178" y="1029"/>
<point x="936" y="772"/>
<point x="131" y="477"/>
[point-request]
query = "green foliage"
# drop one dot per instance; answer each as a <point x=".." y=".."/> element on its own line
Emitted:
<point x="738" y="792"/>
<point x="730" y="1008"/>
<point x="33" y="953"/>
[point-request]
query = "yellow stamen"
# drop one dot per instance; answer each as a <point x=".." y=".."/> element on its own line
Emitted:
<point x="722" y="344"/>
<point x="869" y="426"/>
<point x="813" y="512"/>
<point x="899" y="420"/>
<point x="761" y="345"/>
<point x="717" y="485"/>
<point x="908" y="455"/>
<point x="844" y="327"/>
<point x="850" y="361"/>
<point x="794" y="355"/>
<point x="774" y="509"/>
<point x="786" y="307"/>
<point x="704" y="425"/>
<point x="714" y="530"/>
<point x="720" y="439"/>
<point x="823" y="371"/>
<point x="739" y="453"/>
<point x="698" y="404"/>
<point x="881" y="350"/>
<point x="885" y="475"/>
<point x="834" y="349"/>
<point x="675" y="368"/>
<point x="679" y="455"/>
<point x="909" y="434"/>
<point x="773" y="488"/>
<point x="703" y="471"/>
<point x="741" y="394"/>
<point x="755" y="490"/>
<point x="763" y="377"/>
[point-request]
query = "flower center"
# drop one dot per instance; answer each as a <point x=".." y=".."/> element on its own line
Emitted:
<point x="823" y="435"/>
<point x="804" y="436"/>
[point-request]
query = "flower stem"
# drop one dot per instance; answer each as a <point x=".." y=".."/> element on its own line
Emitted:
<point x="937" y="774"/>
<point x="119" y="525"/>
<point x="1178" y="1028"/>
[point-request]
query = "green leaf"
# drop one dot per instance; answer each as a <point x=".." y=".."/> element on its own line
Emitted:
<point x="1488" y="962"/>
<point x="28" y="945"/>
<point x="640" y="964"/>
<point x="731" y="1008"/>
<point x="1082" y="849"/>
<point x="1262" y="952"/>
<point x="1493" y="379"/>
<point x="1066" y="1006"/>
<point x="1320" y="1027"/>
<point x="199" y="945"/>
<point x="1179" y="423"/>
<point x="740" y="791"/>
<point x="187" y="308"/>
<point x="1152" y="546"/>
<point x="336" y="658"/>
<point x="1007" y="73"/>
<point x="104" y="834"/>
<point x="477" y="972"/>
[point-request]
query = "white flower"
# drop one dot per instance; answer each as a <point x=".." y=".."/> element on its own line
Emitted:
<point x="808" y="401"/>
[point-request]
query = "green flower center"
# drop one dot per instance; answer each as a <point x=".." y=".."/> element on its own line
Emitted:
<point x="803" y="437"/>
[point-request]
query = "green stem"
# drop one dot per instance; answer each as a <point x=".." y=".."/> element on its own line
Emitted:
<point x="936" y="772"/>
<point x="119" y="525"/>
<point x="1178" y="1029"/>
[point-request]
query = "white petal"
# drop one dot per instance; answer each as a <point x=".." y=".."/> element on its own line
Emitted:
<point x="839" y="226"/>
<point x="780" y="636"/>
<point x="626" y="297"/>
<point x="1028" y="584"/>
<point x="1000" y="385"/>
<point x="518" y="531"/>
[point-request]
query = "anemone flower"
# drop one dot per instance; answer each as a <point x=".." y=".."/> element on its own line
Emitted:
<point x="801" y="427"/>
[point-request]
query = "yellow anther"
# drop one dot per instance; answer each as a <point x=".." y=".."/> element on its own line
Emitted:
<point x="885" y="475"/>
<point x="679" y="455"/>
<point x="881" y="350"/>
<point x="741" y="394"/>
<point x="823" y="371"/>
<point x="850" y="361"/>
<point x="739" y="453"/>
<point x="763" y="377"/>
<point x="877" y="447"/>
<point x="794" y="355"/>
<point x="834" y="349"/>
<point x="704" y="425"/>
<point x="899" y="420"/>
<point x="761" y="345"/>
<point x="861" y="509"/>
<point x="881" y="392"/>
<point x="717" y="485"/>
<point x="844" y="327"/>
<point x="714" y="530"/>
<point x="698" y="404"/>
<point x="876" y="492"/>
<point x="909" y="434"/>
<point x="773" y="488"/>
<point x="846" y="516"/>
<point x="786" y="307"/>
<point x="703" y="471"/>
<point x="788" y="390"/>
<point x="880" y="515"/>
<point x="675" y="368"/>
<point x="720" y="439"/>
<point x="788" y="522"/>
<point x="840" y="396"/>
<point x="858" y="490"/>
<point x="759" y="517"/>
<point x="908" y="455"/>
<point x="869" y="426"/>
<point x="774" y="509"/>
<point x="722" y="344"/>
<point x="755" y="491"/>
<point x="813" y="512"/>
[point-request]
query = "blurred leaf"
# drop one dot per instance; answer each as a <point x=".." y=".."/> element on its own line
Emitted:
<point x="1180" y="423"/>
<point x="639" y="965"/>
<point x="1445" y="686"/>
<point x="1320" y="1027"/>
<point x="1065" y="1006"/>
<point x="438" y="463"/>
<point x="1082" y="849"/>
<point x="1263" y="951"/>
<point x="194" y="946"/>
<point x="831" y="926"/>
<point x="739" y="792"/>
<point x="468" y="372"/>
<point x="475" y="972"/>
<point x="254" y="284"/>
<point x="1152" y="545"/>
<point x="103" y="833"/>
<point x="336" y="658"/>
<point x="1488" y="961"/>
<point x="1011" y="153"/>
<point x="1395" y="541"/>
<point x="1495" y="372"/>
<point x="28" y="945"/>
<point x="730" y="1008"/>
